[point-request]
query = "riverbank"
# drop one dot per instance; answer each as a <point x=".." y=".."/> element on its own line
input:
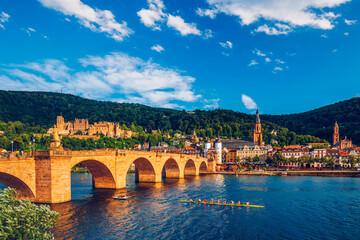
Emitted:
<point x="324" y="173"/>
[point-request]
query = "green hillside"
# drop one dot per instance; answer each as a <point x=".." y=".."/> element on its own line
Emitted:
<point x="41" y="108"/>
<point x="320" y="122"/>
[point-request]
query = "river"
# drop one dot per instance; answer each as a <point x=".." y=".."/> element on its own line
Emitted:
<point x="295" y="208"/>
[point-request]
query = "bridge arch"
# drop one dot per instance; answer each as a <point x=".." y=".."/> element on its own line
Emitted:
<point x="190" y="168"/>
<point x="21" y="187"/>
<point x="102" y="175"/>
<point x="144" y="170"/>
<point x="171" y="169"/>
<point x="203" y="167"/>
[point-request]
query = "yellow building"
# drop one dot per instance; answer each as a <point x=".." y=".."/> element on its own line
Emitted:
<point x="244" y="152"/>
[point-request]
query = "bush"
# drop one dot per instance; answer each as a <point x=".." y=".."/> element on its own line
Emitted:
<point x="21" y="219"/>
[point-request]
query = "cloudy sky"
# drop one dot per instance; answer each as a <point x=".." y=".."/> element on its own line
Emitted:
<point x="283" y="56"/>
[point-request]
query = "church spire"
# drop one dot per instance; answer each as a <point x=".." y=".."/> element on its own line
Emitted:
<point x="336" y="134"/>
<point x="257" y="135"/>
<point x="257" y="116"/>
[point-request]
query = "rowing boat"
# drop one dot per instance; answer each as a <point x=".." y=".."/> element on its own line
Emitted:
<point x="223" y="204"/>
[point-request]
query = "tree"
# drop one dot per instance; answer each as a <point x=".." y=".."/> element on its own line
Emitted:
<point x="279" y="158"/>
<point x="256" y="158"/>
<point x="21" y="219"/>
<point x="329" y="161"/>
<point x="79" y="132"/>
<point x="269" y="160"/>
<point x="249" y="160"/>
<point x="353" y="161"/>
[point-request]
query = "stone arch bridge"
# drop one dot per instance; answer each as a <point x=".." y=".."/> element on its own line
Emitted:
<point x="45" y="176"/>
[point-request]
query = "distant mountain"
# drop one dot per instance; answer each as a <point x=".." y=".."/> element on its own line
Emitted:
<point x="41" y="108"/>
<point x="320" y="122"/>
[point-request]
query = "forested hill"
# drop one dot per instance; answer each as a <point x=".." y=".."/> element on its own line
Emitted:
<point x="320" y="122"/>
<point x="41" y="108"/>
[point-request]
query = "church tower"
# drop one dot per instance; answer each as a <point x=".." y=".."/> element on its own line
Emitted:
<point x="257" y="135"/>
<point x="336" y="135"/>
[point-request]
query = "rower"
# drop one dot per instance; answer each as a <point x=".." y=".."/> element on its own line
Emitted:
<point x="212" y="200"/>
<point x="199" y="200"/>
<point x="247" y="203"/>
<point x="218" y="200"/>
<point x="204" y="200"/>
<point x="224" y="201"/>
<point x="191" y="200"/>
<point x="239" y="203"/>
<point x="232" y="202"/>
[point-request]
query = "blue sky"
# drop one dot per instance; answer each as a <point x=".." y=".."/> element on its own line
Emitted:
<point x="283" y="56"/>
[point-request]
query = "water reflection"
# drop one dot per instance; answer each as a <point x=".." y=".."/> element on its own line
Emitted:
<point x="296" y="208"/>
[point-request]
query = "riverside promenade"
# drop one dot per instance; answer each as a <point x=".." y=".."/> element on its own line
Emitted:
<point x="324" y="173"/>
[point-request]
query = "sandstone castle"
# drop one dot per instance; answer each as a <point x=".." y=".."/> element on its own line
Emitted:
<point x="109" y="129"/>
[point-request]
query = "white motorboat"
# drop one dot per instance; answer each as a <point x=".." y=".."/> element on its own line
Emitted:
<point x="119" y="197"/>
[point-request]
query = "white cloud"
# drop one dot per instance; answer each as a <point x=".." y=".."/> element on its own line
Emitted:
<point x="350" y="22"/>
<point x="335" y="50"/>
<point x="153" y="16"/>
<point x="324" y="35"/>
<point x="208" y="34"/>
<point x="248" y="102"/>
<point x="211" y="103"/>
<point x="104" y="78"/>
<point x="207" y="12"/>
<point x="278" y="29"/>
<point x="346" y="34"/>
<point x="279" y="61"/>
<point x="278" y="69"/>
<point x="157" y="48"/>
<point x="258" y="52"/>
<point x="291" y="13"/>
<point x="95" y="19"/>
<point x="29" y="30"/>
<point x="180" y="25"/>
<point x="226" y="44"/>
<point x="267" y="60"/>
<point x="253" y="63"/>
<point x="4" y="17"/>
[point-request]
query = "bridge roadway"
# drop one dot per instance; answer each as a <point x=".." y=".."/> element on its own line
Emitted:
<point x="45" y="176"/>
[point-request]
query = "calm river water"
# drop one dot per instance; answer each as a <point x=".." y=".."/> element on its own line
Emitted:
<point x="295" y="208"/>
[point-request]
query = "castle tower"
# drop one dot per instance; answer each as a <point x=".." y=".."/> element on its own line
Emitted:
<point x="60" y="124"/>
<point x="257" y="135"/>
<point x="336" y="134"/>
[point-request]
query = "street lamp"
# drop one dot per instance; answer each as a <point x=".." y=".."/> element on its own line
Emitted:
<point x="115" y="145"/>
<point x="95" y="145"/>
<point x="12" y="146"/>
<point x="104" y="145"/>
<point x="34" y="144"/>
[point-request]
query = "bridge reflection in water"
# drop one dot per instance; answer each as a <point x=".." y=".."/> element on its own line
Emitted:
<point x="44" y="176"/>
